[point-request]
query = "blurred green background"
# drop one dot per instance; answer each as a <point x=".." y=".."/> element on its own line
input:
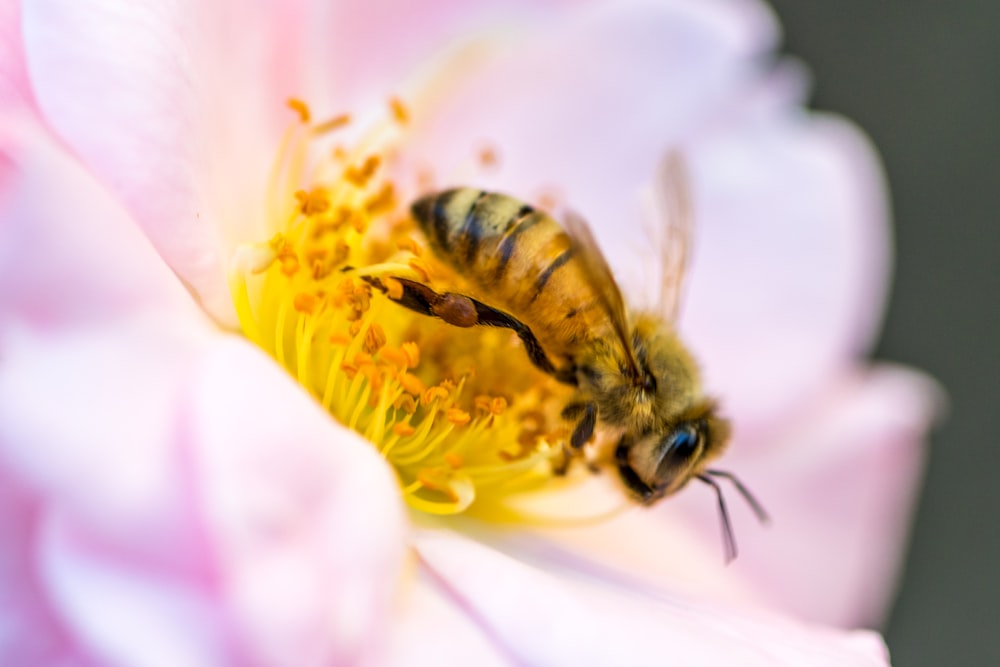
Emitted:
<point x="922" y="77"/>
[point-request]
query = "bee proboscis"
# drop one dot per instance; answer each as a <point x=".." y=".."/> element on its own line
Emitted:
<point x="551" y="285"/>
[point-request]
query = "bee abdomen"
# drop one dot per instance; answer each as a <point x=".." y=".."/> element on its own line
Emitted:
<point x="475" y="231"/>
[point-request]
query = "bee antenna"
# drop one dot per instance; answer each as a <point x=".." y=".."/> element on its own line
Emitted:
<point x="754" y="504"/>
<point x="727" y="527"/>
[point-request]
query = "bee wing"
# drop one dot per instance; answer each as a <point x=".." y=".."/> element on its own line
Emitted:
<point x="602" y="282"/>
<point x="673" y="206"/>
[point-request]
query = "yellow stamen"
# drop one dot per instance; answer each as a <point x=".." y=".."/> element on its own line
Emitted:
<point x="459" y="414"/>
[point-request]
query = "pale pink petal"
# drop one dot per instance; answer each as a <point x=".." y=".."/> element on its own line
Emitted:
<point x="586" y="104"/>
<point x="431" y="628"/>
<point x="790" y="272"/>
<point x="15" y="89"/>
<point x="542" y="618"/>
<point x="304" y="516"/>
<point x="175" y="478"/>
<point x="68" y="252"/>
<point x="839" y="479"/>
<point x="29" y="631"/>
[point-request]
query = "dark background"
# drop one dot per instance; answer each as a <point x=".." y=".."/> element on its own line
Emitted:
<point x="922" y="77"/>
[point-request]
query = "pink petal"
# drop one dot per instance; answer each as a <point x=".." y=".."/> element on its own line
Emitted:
<point x="839" y="479"/>
<point x="69" y="254"/>
<point x="185" y="493"/>
<point x="429" y="628"/>
<point x="541" y="618"/>
<point x="791" y="269"/>
<point x="588" y="102"/>
<point x="304" y="515"/>
<point x="30" y="634"/>
<point x="15" y="89"/>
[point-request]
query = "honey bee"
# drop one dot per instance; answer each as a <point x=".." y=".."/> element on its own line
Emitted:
<point x="551" y="285"/>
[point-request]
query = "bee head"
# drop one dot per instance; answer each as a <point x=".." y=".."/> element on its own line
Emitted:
<point x="659" y="463"/>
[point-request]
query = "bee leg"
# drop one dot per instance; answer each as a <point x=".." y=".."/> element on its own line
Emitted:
<point x="561" y="466"/>
<point x="464" y="311"/>
<point x="587" y="412"/>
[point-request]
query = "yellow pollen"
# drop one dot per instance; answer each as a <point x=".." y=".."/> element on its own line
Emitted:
<point x="464" y="418"/>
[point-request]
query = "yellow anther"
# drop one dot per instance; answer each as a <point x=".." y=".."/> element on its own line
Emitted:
<point x="458" y="417"/>
<point x="420" y="267"/>
<point x="374" y="338"/>
<point x="333" y="124"/>
<point x="403" y="430"/>
<point x="289" y="264"/>
<point x="412" y="351"/>
<point x="433" y="394"/>
<point x="383" y="201"/>
<point x="406" y="404"/>
<point x="315" y="202"/>
<point x="488" y="156"/>
<point x="414" y="385"/>
<point x="399" y="111"/>
<point x="360" y="176"/>
<point x="407" y="244"/>
<point x="393" y="288"/>
<point x="339" y="339"/>
<point x="393" y="356"/>
<point x="301" y="108"/>
<point x="305" y="303"/>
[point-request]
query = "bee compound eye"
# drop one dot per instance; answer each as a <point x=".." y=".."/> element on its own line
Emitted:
<point x="676" y="451"/>
<point x="682" y="442"/>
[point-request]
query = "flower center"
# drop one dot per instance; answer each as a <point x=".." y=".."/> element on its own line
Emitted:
<point x="430" y="397"/>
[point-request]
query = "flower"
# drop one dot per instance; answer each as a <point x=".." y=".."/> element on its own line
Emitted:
<point x="171" y="496"/>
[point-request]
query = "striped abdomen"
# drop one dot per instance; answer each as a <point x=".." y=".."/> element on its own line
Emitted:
<point x="519" y="260"/>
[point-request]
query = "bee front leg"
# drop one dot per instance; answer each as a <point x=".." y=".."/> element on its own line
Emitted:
<point x="584" y="429"/>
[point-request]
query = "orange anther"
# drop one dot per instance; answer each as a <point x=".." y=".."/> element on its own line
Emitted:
<point x="399" y="111"/>
<point x="301" y="108"/>
<point x="453" y="460"/>
<point x="458" y="417"/>
<point x="433" y="394"/>
<point x="393" y="288"/>
<point x="374" y="338"/>
<point x="405" y="403"/>
<point x="333" y="123"/>
<point x="412" y="384"/>
<point x="305" y="303"/>
<point x="403" y="430"/>
<point x="412" y="351"/>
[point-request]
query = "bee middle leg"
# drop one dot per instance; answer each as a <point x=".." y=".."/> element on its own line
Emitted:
<point x="463" y="311"/>
<point x="584" y="429"/>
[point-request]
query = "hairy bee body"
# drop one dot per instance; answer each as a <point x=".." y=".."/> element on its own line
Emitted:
<point x="549" y="283"/>
<point x="518" y="259"/>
